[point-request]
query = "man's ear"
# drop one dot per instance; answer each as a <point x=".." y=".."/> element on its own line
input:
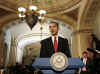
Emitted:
<point x="58" y="28"/>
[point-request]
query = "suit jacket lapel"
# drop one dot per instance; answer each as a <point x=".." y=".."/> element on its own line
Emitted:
<point x="59" y="43"/>
<point x="51" y="45"/>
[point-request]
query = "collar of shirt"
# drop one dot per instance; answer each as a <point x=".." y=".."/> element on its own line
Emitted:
<point x="53" y="39"/>
<point x="84" y="60"/>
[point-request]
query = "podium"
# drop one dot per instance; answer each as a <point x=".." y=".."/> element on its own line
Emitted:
<point x="44" y="65"/>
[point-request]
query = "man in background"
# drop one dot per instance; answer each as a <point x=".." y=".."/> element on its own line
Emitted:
<point x="88" y="61"/>
<point x="85" y="60"/>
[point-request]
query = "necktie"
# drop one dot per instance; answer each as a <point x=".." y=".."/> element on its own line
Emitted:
<point x="55" y="44"/>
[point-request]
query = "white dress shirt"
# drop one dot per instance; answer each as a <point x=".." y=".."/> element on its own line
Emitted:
<point x="53" y="39"/>
<point x="84" y="61"/>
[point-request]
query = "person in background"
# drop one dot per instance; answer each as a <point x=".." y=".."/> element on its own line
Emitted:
<point x="88" y="61"/>
<point x="91" y="61"/>
<point x="85" y="60"/>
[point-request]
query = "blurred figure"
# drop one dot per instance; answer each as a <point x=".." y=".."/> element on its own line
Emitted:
<point x="84" y="59"/>
<point x="88" y="60"/>
<point x="97" y="62"/>
<point x="91" y="64"/>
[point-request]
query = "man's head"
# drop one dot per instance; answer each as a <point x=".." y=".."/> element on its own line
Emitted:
<point x="91" y="52"/>
<point x="54" y="27"/>
<point x="84" y="54"/>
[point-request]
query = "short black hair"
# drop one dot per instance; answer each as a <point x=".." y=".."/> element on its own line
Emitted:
<point x="91" y="50"/>
<point x="55" y="23"/>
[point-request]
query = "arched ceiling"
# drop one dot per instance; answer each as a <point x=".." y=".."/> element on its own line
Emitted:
<point x="68" y="11"/>
<point x="53" y="8"/>
<point x="89" y="17"/>
<point x="92" y="12"/>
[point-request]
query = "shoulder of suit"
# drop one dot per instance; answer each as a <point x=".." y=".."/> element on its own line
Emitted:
<point x="45" y="39"/>
<point x="62" y="38"/>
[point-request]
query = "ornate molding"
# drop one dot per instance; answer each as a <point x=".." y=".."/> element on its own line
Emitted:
<point x="65" y="7"/>
<point x="82" y="31"/>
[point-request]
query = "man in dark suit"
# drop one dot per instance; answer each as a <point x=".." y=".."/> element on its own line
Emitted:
<point x="89" y="66"/>
<point x="54" y="43"/>
<point x="85" y="61"/>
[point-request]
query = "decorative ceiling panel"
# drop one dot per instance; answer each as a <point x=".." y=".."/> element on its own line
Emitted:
<point x="73" y="14"/>
<point x="50" y="5"/>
